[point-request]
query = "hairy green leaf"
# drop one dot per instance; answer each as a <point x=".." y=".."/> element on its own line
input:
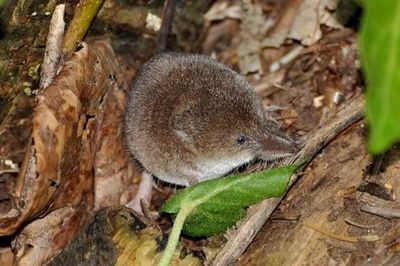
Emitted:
<point x="215" y="205"/>
<point x="380" y="54"/>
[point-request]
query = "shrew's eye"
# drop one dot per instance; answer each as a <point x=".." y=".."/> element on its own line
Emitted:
<point x="241" y="140"/>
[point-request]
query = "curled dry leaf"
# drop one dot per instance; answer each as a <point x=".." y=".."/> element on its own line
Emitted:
<point x="58" y="168"/>
<point x="113" y="172"/>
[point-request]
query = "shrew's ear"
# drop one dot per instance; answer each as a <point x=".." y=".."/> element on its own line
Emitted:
<point x="182" y="121"/>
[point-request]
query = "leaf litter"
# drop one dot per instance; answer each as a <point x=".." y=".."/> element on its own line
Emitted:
<point x="327" y="66"/>
<point x="71" y="123"/>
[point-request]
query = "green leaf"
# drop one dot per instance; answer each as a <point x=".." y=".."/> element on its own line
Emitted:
<point x="215" y="205"/>
<point x="380" y="54"/>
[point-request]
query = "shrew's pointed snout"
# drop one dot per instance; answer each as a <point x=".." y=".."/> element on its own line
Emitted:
<point x="279" y="145"/>
<point x="275" y="145"/>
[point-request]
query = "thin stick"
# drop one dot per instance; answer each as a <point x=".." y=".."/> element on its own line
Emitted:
<point x="84" y="14"/>
<point x="350" y="239"/>
<point x="257" y="215"/>
<point x="52" y="53"/>
<point x="380" y="211"/>
<point x="168" y="15"/>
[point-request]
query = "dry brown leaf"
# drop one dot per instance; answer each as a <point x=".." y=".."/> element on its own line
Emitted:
<point x="113" y="171"/>
<point x="57" y="173"/>
<point x="312" y="14"/>
<point x="302" y="22"/>
<point x="221" y="10"/>
<point x="253" y="27"/>
<point x="280" y="30"/>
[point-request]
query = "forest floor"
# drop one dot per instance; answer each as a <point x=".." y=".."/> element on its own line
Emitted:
<point x="343" y="210"/>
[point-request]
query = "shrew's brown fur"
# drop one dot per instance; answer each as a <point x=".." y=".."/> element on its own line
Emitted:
<point x="190" y="118"/>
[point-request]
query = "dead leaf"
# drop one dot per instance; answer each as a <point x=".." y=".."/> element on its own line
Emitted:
<point x="305" y="24"/>
<point x="222" y="10"/>
<point x="56" y="178"/>
<point x="113" y="169"/>
<point x="254" y="25"/>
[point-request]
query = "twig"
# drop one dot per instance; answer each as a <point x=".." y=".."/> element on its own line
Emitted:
<point x="52" y="54"/>
<point x="287" y="58"/>
<point x="377" y="164"/>
<point x="353" y="223"/>
<point x="167" y="17"/>
<point x="84" y="14"/>
<point x="350" y="239"/>
<point x="8" y="171"/>
<point x="257" y="215"/>
<point x="383" y="212"/>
